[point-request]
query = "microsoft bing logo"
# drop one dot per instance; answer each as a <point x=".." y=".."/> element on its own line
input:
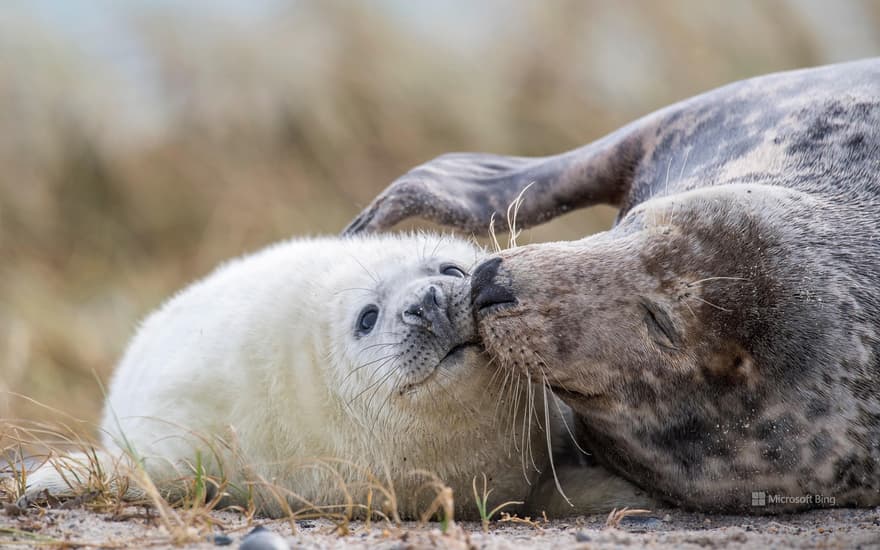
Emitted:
<point x="761" y="498"/>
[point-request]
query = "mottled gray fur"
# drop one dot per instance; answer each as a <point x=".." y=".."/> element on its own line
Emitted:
<point x="723" y="338"/>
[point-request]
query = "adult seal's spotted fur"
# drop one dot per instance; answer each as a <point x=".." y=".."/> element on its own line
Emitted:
<point x="721" y="343"/>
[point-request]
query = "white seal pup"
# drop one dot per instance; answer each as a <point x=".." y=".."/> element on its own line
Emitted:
<point x="315" y="366"/>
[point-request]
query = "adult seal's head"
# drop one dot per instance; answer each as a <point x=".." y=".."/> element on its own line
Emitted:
<point x="723" y="338"/>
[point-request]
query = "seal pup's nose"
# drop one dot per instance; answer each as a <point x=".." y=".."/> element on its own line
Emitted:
<point x="429" y="311"/>
<point x="485" y="292"/>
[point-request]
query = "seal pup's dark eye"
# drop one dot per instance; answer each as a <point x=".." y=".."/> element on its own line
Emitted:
<point x="452" y="271"/>
<point x="367" y="319"/>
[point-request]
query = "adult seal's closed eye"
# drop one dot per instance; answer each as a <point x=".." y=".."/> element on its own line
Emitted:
<point x="722" y="340"/>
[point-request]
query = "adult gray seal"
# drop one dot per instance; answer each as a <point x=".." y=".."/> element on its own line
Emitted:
<point x="721" y="343"/>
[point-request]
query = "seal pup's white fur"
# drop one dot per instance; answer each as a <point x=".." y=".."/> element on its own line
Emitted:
<point x="259" y="370"/>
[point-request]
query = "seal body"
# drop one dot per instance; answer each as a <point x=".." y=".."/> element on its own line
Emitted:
<point x="316" y="372"/>
<point x="723" y="338"/>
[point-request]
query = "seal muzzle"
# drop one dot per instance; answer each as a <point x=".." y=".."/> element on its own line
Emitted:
<point x="485" y="291"/>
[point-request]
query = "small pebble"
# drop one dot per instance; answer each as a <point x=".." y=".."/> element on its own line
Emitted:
<point x="582" y="536"/>
<point x="263" y="539"/>
<point x="667" y="518"/>
<point x="220" y="539"/>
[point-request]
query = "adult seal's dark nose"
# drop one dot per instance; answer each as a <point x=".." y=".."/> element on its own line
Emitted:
<point x="485" y="291"/>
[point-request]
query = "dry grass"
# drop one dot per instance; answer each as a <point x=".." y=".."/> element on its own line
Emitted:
<point x="482" y="501"/>
<point x="616" y="516"/>
<point x="186" y="512"/>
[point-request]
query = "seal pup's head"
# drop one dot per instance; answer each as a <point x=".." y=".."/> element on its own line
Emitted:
<point x="387" y="372"/>
<point x="326" y="369"/>
<point x="402" y="327"/>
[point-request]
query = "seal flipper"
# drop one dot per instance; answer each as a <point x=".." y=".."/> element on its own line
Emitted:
<point x="78" y="474"/>
<point x="464" y="190"/>
<point x="592" y="489"/>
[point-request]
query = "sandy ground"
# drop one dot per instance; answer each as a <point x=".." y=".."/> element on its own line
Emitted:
<point x="839" y="528"/>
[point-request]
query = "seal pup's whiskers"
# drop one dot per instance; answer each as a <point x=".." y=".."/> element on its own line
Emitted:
<point x="382" y="344"/>
<point x="377" y="411"/>
<point x="440" y="239"/>
<point x="385" y="358"/>
<point x="369" y="273"/>
<point x="470" y="407"/>
<point x="392" y="372"/>
<point x="377" y="382"/>
<point x="368" y="290"/>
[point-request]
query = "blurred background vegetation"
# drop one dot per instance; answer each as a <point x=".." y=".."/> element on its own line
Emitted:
<point x="142" y="142"/>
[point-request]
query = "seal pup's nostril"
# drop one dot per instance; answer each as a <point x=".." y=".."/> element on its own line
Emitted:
<point x="428" y="311"/>
<point x="431" y="298"/>
<point x="415" y="310"/>
<point x="485" y="292"/>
